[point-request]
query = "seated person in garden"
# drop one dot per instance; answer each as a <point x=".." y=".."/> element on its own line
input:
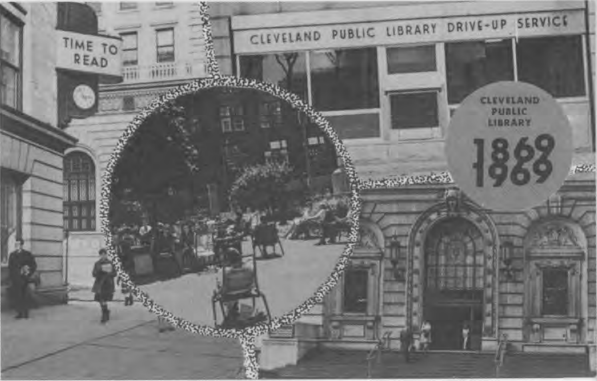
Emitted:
<point x="145" y="233"/>
<point x="328" y="226"/>
<point x="238" y="276"/>
<point x="298" y="226"/>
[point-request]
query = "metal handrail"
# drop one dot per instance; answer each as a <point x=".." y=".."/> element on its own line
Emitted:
<point x="382" y="345"/>
<point x="500" y="354"/>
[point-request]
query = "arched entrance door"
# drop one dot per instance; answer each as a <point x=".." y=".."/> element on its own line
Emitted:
<point x="454" y="263"/>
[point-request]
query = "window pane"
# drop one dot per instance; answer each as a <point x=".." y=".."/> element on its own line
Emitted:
<point x="414" y="110"/>
<point x="129" y="41"/>
<point x="10" y="41"/>
<point x="9" y="88"/>
<point x="128" y="5"/>
<point x="129" y="58"/>
<point x="166" y="54"/>
<point x="345" y="79"/>
<point x="288" y="70"/>
<point x="411" y="59"/>
<point x="165" y="37"/>
<point x="555" y="64"/>
<point x="355" y="290"/>
<point x="471" y="65"/>
<point x="555" y="291"/>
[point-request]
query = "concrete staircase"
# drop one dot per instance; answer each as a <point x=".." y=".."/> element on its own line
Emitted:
<point x="352" y="364"/>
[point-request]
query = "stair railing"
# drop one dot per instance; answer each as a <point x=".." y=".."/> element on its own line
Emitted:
<point x="500" y="354"/>
<point x="383" y="344"/>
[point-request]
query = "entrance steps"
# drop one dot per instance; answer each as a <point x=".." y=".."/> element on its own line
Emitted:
<point x="336" y="364"/>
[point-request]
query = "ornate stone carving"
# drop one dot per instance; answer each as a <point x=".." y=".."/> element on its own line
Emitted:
<point x="554" y="235"/>
<point x="453" y="200"/>
<point x="367" y="239"/>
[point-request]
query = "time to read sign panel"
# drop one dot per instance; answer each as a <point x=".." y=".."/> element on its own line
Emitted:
<point x="509" y="146"/>
<point x="409" y="31"/>
<point x="90" y="54"/>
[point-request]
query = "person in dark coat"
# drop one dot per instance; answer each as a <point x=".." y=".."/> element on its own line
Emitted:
<point x="406" y="340"/>
<point x="21" y="267"/>
<point x="103" y="287"/>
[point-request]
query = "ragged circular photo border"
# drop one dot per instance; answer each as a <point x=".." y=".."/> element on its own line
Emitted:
<point x="297" y="104"/>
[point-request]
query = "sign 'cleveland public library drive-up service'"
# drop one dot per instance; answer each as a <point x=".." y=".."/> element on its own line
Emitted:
<point x="409" y="31"/>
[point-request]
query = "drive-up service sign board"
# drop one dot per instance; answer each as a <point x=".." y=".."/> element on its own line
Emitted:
<point x="509" y="146"/>
<point x="89" y="53"/>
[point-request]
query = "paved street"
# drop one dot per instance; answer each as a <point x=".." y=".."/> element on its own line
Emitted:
<point x="67" y="342"/>
<point x="286" y="281"/>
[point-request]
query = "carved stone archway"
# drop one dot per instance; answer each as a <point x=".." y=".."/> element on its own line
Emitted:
<point x="417" y="236"/>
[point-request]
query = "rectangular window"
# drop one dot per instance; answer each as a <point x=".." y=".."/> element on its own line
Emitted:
<point x="232" y="118"/>
<point x="130" y="49"/>
<point x="278" y="151"/>
<point x="554" y="64"/>
<point x="11" y="42"/>
<point x="127" y="5"/>
<point x="555" y="292"/>
<point x="270" y="114"/>
<point x="411" y="59"/>
<point x="471" y="65"/>
<point x="287" y="70"/>
<point x="165" y="45"/>
<point x="414" y="110"/>
<point x="344" y="79"/>
<point x="11" y="212"/>
<point x="356" y="284"/>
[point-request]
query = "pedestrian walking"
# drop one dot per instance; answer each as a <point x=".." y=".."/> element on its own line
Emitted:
<point x="466" y="332"/>
<point x="425" y="338"/>
<point x="406" y="339"/>
<point x="103" y="287"/>
<point x="23" y="276"/>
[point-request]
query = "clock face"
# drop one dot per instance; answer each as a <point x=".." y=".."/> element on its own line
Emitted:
<point x="84" y="97"/>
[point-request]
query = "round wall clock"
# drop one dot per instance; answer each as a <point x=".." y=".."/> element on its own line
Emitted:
<point x="84" y="97"/>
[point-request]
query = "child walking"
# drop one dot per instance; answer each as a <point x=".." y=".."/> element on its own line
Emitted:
<point x="103" y="287"/>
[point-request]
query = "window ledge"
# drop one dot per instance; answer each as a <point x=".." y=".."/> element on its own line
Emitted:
<point x="83" y="232"/>
<point x="555" y="320"/>
<point x="354" y="317"/>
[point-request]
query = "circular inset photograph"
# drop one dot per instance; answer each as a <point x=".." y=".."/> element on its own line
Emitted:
<point x="229" y="207"/>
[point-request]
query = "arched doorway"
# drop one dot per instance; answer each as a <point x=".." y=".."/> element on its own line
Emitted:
<point x="453" y="283"/>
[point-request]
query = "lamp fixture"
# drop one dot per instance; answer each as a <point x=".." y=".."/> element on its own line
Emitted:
<point x="395" y="255"/>
<point x="507" y="269"/>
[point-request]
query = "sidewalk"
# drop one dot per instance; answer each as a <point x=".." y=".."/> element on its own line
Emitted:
<point x="52" y="329"/>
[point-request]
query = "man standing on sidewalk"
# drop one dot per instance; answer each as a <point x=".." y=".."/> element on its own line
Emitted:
<point x="406" y="340"/>
<point x="21" y="267"/>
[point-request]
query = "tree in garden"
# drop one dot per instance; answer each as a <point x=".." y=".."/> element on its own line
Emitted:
<point x="264" y="187"/>
<point x="156" y="169"/>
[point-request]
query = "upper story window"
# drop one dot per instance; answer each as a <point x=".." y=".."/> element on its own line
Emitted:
<point x="554" y="64"/>
<point x="11" y="65"/>
<point x="165" y="45"/>
<point x="417" y="109"/>
<point x="232" y="118"/>
<point x="287" y="70"/>
<point x="79" y="192"/>
<point x="278" y="151"/>
<point x="411" y="59"/>
<point x="474" y="64"/>
<point x="344" y="79"/>
<point x="130" y="49"/>
<point x="127" y="5"/>
<point x="270" y="114"/>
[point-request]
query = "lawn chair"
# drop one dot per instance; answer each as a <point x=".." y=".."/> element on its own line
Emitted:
<point x="264" y="236"/>
<point x="238" y="284"/>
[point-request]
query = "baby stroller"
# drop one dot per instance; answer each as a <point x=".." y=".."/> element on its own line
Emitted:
<point x="238" y="283"/>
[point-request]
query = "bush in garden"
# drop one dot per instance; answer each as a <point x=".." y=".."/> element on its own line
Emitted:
<point x="264" y="187"/>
